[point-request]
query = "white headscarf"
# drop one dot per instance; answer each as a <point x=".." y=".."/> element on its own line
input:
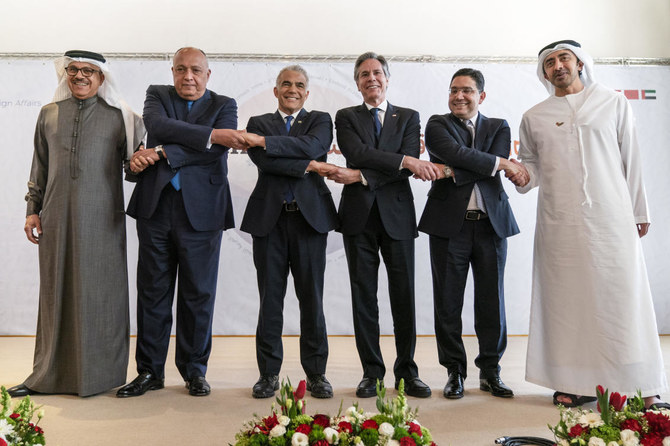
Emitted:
<point x="134" y="125"/>
<point x="587" y="71"/>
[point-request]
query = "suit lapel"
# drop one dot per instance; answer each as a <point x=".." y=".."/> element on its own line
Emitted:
<point x="297" y="128"/>
<point x="366" y="121"/>
<point x="278" y="124"/>
<point x="198" y="107"/>
<point x="461" y="130"/>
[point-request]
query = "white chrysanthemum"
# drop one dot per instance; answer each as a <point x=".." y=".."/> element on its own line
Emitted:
<point x="5" y="428"/>
<point x="332" y="436"/>
<point x="666" y="441"/>
<point x="277" y="431"/>
<point x="595" y="441"/>
<point x="299" y="439"/>
<point x="284" y="420"/>
<point x="612" y="443"/>
<point x="629" y="438"/>
<point x="386" y="429"/>
<point x="591" y="419"/>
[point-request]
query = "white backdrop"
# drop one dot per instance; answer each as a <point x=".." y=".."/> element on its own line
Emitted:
<point x="511" y="89"/>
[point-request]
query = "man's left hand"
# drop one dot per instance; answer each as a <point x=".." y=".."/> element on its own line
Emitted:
<point x="642" y="229"/>
<point x="142" y="159"/>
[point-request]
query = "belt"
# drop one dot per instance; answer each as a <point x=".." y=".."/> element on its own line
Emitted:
<point x="475" y="215"/>
<point x="291" y="207"/>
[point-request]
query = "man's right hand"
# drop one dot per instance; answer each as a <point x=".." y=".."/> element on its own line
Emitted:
<point x="423" y="170"/>
<point x="323" y="169"/>
<point x="229" y="138"/>
<point x="33" y="228"/>
<point x="515" y="171"/>
<point x="142" y="159"/>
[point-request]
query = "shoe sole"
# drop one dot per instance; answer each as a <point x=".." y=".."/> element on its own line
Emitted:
<point x="453" y="397"/>
<point x="154" y="387"/>
<point x="499" y="395"/>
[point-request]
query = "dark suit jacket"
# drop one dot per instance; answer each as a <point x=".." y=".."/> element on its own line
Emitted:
<point x="282" y="164"/>
<point x="387" y="184"/>
<point x="184" y="135"/>
<point x="448" y="141"/>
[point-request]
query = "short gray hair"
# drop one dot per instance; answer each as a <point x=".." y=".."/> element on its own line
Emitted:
<point x="370" y="55"/>
<point x="297" y="68"/>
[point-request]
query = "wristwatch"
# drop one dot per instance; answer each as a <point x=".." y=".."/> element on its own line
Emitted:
<point x="448" y="172"/>
<point x="159" y="150"/>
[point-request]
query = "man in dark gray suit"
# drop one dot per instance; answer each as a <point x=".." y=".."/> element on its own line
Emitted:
<point x="468" y="218"/>
<point x="381" y="145"/>
<point x="289" y="215"/>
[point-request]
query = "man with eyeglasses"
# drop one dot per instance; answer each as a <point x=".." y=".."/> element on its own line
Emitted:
<point x="380" y="142"/>
<point x="468" y="218"/>
<point x="75" y="215"/>
<point x="182" y="204"/>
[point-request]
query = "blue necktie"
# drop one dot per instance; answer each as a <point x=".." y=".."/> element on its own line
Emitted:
<point x="176" y="182"/>
<point x="289" y="118"/>
<point x="378" y="123"/>
<point x="288" y="196"/>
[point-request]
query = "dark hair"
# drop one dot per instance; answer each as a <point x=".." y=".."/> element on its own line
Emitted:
<point x="370" y="55"/>
<point x="476" y="76"/>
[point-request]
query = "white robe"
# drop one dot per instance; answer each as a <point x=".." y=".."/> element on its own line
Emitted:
<point x="592" y="317"/>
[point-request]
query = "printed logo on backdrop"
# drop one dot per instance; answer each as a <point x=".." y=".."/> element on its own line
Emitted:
<point x="11" y="103"/>
<point x="639" y="94"/>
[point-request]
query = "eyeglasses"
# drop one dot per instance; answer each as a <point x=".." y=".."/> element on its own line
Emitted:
<point x="85" y="71"/>
<point x="467" y="91"/>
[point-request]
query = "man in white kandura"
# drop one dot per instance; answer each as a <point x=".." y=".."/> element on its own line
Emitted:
<point x="592" y="317"/>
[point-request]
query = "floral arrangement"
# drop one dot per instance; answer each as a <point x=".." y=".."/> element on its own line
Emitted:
<point x="394" y="425"/>
<point x="615" y="424"/>
<point x="16" y="428"/>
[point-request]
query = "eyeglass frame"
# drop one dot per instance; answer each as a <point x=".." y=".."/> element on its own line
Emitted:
<point x="83" y="73"/>
<point x="467" y="91"/>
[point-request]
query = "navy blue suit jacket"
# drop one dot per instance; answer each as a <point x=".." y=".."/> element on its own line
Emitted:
<point x="380" y="165"/>
<point x="282" y="164"/>
<point x="448" y="141"/>
<point x="184" y="135"/>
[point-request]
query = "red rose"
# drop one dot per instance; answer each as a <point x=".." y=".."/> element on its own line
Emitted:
<point x="322" y="420"/>
<point x="407" y="441"/>
<point x="631" y="424"/>
<point x="3" y="442"/>
<point x="345" y="426"/>
<point x="577" y="430"/>
<point x="300" y="391"/>
<point x="321" y="443"/>
<point x="14" y="416"/>
<point x="617" y="401"/>
<point x="415" y="429"/>
<point x="271" y="421"/>
<point x="370" y="424"/>
<point x="304" y="429"/>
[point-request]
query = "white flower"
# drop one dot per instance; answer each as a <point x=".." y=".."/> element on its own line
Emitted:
<point x="612" y="443"/>
<point x="5" y="428"/>
<point x="277" y="431"/>
<point x="666" y="441"/>
<point x="591" y="420"/>
<point x="393" y="443"/>
<point x="284" y="420"/>
<point x="595" y="441"/>
<point x="386" y="429"/>
<point x="629" y="438"/>
<point x="332" y="436"/>
<point x="300" y="439"/>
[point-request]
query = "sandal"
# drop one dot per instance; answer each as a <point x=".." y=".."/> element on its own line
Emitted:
<point x="575" y="400"/>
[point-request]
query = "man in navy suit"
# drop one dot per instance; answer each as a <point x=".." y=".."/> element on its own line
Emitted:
<point x="289" y="215"/>
<point x="381" y="145"/>
<point x="468" y="218"/>
<point x="182" y="204"/>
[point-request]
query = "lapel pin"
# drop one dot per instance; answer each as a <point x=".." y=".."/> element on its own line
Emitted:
<point x="558" y="124"/>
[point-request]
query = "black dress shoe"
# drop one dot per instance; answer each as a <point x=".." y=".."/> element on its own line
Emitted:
<point x="144" y="382"/>
<point x="415" y="387"/>
<point x="265" y="386"/>
<point x="198" y="386"/>
<point x="496" y="387"/>
<point x="453" y="390"/>
<point x="319" y="386"/>
<point x="20" y="391"/>
<point x="367" y="388"/>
